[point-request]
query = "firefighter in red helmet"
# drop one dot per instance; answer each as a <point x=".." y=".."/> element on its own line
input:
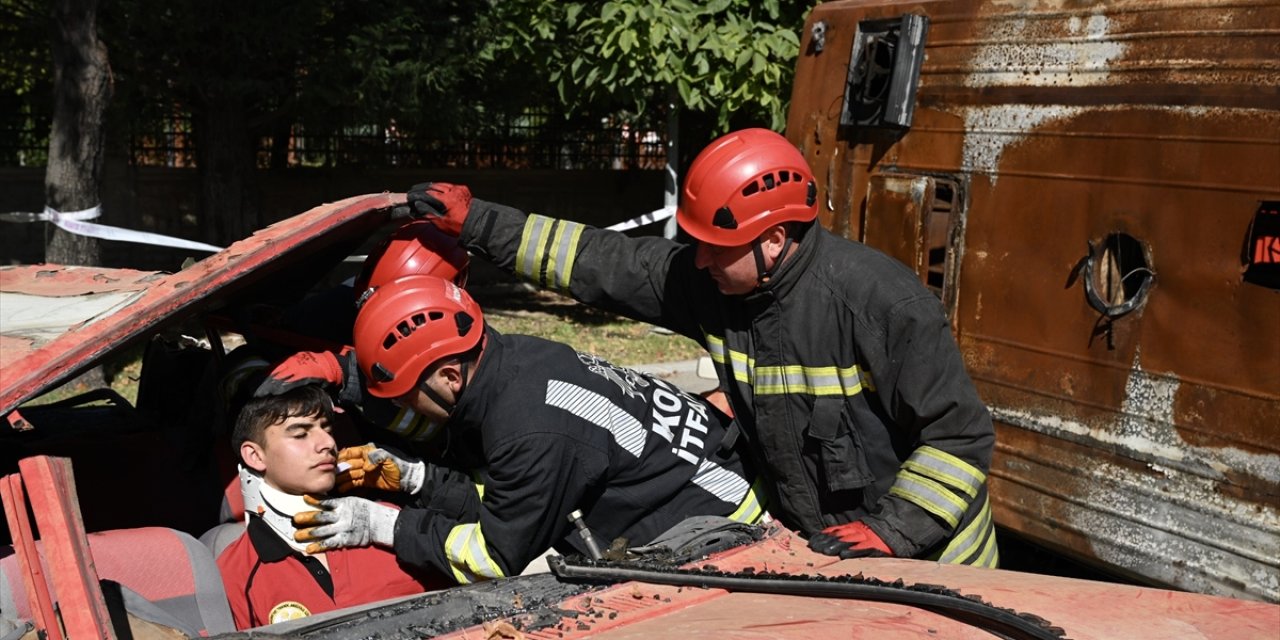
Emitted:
<point x="838" y="363"/>
<point x="558" y="431"/>
<point x="415" y="248"/>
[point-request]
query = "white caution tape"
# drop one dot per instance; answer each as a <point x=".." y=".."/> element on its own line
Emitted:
<point x="74" y="222"/>
<point x="648" y="218"/>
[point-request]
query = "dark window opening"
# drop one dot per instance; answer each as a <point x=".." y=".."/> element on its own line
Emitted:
<point x="1122" y="270"/>
<point x="938" y="235"/>
<point x="1117" y="275"/>
<point x="884" y="71"/>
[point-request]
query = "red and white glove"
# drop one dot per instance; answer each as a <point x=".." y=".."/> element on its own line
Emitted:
<point x="309" y="367"/>
<point x="445" y="205"/>
<point x="852" y="540"/>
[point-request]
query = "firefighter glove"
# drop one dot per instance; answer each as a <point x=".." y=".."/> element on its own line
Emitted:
<point x="374" y="467"/>
<point x="852" y="540"/>
<point x="445" y="205"/>
<point x="324" y="368"/>
<point x="345" y="522"/>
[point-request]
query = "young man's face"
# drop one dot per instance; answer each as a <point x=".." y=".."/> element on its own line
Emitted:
<point x="298" y="455"/>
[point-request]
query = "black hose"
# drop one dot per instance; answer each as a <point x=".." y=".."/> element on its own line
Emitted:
<point x="996" y="620"/>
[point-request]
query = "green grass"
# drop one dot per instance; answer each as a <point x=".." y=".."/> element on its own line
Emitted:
<point x="559" y="318"/>
<point x="509" y="309"/>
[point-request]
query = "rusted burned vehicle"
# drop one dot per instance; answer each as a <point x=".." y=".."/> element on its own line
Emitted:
<point x="1093" y="190"/>
<point x="107" y="501"/>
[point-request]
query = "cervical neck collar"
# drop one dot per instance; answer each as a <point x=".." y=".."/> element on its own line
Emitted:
<point x="276" y="507"/>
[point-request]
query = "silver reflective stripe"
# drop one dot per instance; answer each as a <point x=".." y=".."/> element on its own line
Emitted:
<point x="791" y="378"/>
<point x="554" y="242"/>
<point x="564" y="248"/>
<point x="750" y="510"/>
<point x="721" y="483"/>
<point x="930" y="496"/>
<point x="469" y="556"/>
<point x="403" y="422"/>
<point x="738" y="363"/>
<point x="532" y="239"/>
<point x="939" y="465"/>
<point x="976" y="543"/>
<point x="600" y="411"/>
<point x="818" y="381"/>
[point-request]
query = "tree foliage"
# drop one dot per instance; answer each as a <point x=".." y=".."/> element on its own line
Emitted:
<point x="727" y="58"/>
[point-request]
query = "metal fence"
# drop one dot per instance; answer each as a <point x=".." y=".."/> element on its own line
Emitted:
<point x="529" y="141"/>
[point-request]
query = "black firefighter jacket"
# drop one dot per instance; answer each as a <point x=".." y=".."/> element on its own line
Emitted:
<point x="842" y="372"/>
<point x="557" y="430"/>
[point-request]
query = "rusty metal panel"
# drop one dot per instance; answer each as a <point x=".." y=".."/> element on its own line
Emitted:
<point x="897" y="206"/>
<point x="1143" y="441"/>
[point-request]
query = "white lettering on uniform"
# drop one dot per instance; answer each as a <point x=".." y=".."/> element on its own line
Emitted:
<point x="672" y="408"/>
<point x="668" y="403"/>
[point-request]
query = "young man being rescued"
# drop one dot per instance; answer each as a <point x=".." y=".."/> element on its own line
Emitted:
<point x="286" y="441"/>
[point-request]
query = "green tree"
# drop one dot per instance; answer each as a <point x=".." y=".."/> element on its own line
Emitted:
<point x="730" y="59"/>
<point x="249" y="72"/>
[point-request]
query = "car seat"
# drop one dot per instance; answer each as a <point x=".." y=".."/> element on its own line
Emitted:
<point x="167" y="577"/>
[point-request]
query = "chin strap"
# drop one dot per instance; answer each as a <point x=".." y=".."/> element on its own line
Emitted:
<point x="767" y="274"/>
<point x="448" y="407"/>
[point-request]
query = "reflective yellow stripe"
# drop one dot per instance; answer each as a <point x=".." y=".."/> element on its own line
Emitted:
<point x="564" y="249"/>
<point x="929" y="495"/>
<point x="738" y="363"/>
<point x="558" y="251"/>
<point x="751" y="509"/>
<point x="939" y="465"/>
<point x="792" y="378"/>
<point x="532" y="239"/>
<point x="469" y="556"/>
<point x="964" y="547"/>
<point x="818" y="381"/>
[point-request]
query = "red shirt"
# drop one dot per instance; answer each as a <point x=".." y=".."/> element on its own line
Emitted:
<point x="267" y="581"/>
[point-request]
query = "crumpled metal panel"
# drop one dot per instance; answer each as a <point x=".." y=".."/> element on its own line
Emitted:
<point x="1082" y="609"/>
<point x="91" y="312"/>
<point x="1142" y="443"/>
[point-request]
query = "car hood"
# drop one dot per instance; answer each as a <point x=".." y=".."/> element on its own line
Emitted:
<point x="57" y="321"/>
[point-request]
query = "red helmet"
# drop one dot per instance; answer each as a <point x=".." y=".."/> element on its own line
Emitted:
<point x="417" y="248"/>
<point x="407" y="324"/>
<point x="743" y="183"/>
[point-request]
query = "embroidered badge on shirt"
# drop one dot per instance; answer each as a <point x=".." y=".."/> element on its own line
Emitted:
<point x="287" y="610"/>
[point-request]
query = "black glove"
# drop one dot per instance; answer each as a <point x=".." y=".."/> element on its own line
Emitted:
<point x="445" y="205"/>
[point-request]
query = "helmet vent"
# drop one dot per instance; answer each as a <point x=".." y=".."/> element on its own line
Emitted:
<point x="435" y="315"/>
<point x="724" y="219"/>
<point x="812" y="195"/>
<point x="464" y="322"/>
<point x="768" y="181"/>
<point x="381" y="373"/>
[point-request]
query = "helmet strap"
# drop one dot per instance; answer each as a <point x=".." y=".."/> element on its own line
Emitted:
<point x="767" y="274"/>
<point x="438" y="399"/>
<point x="464" y="367"/>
